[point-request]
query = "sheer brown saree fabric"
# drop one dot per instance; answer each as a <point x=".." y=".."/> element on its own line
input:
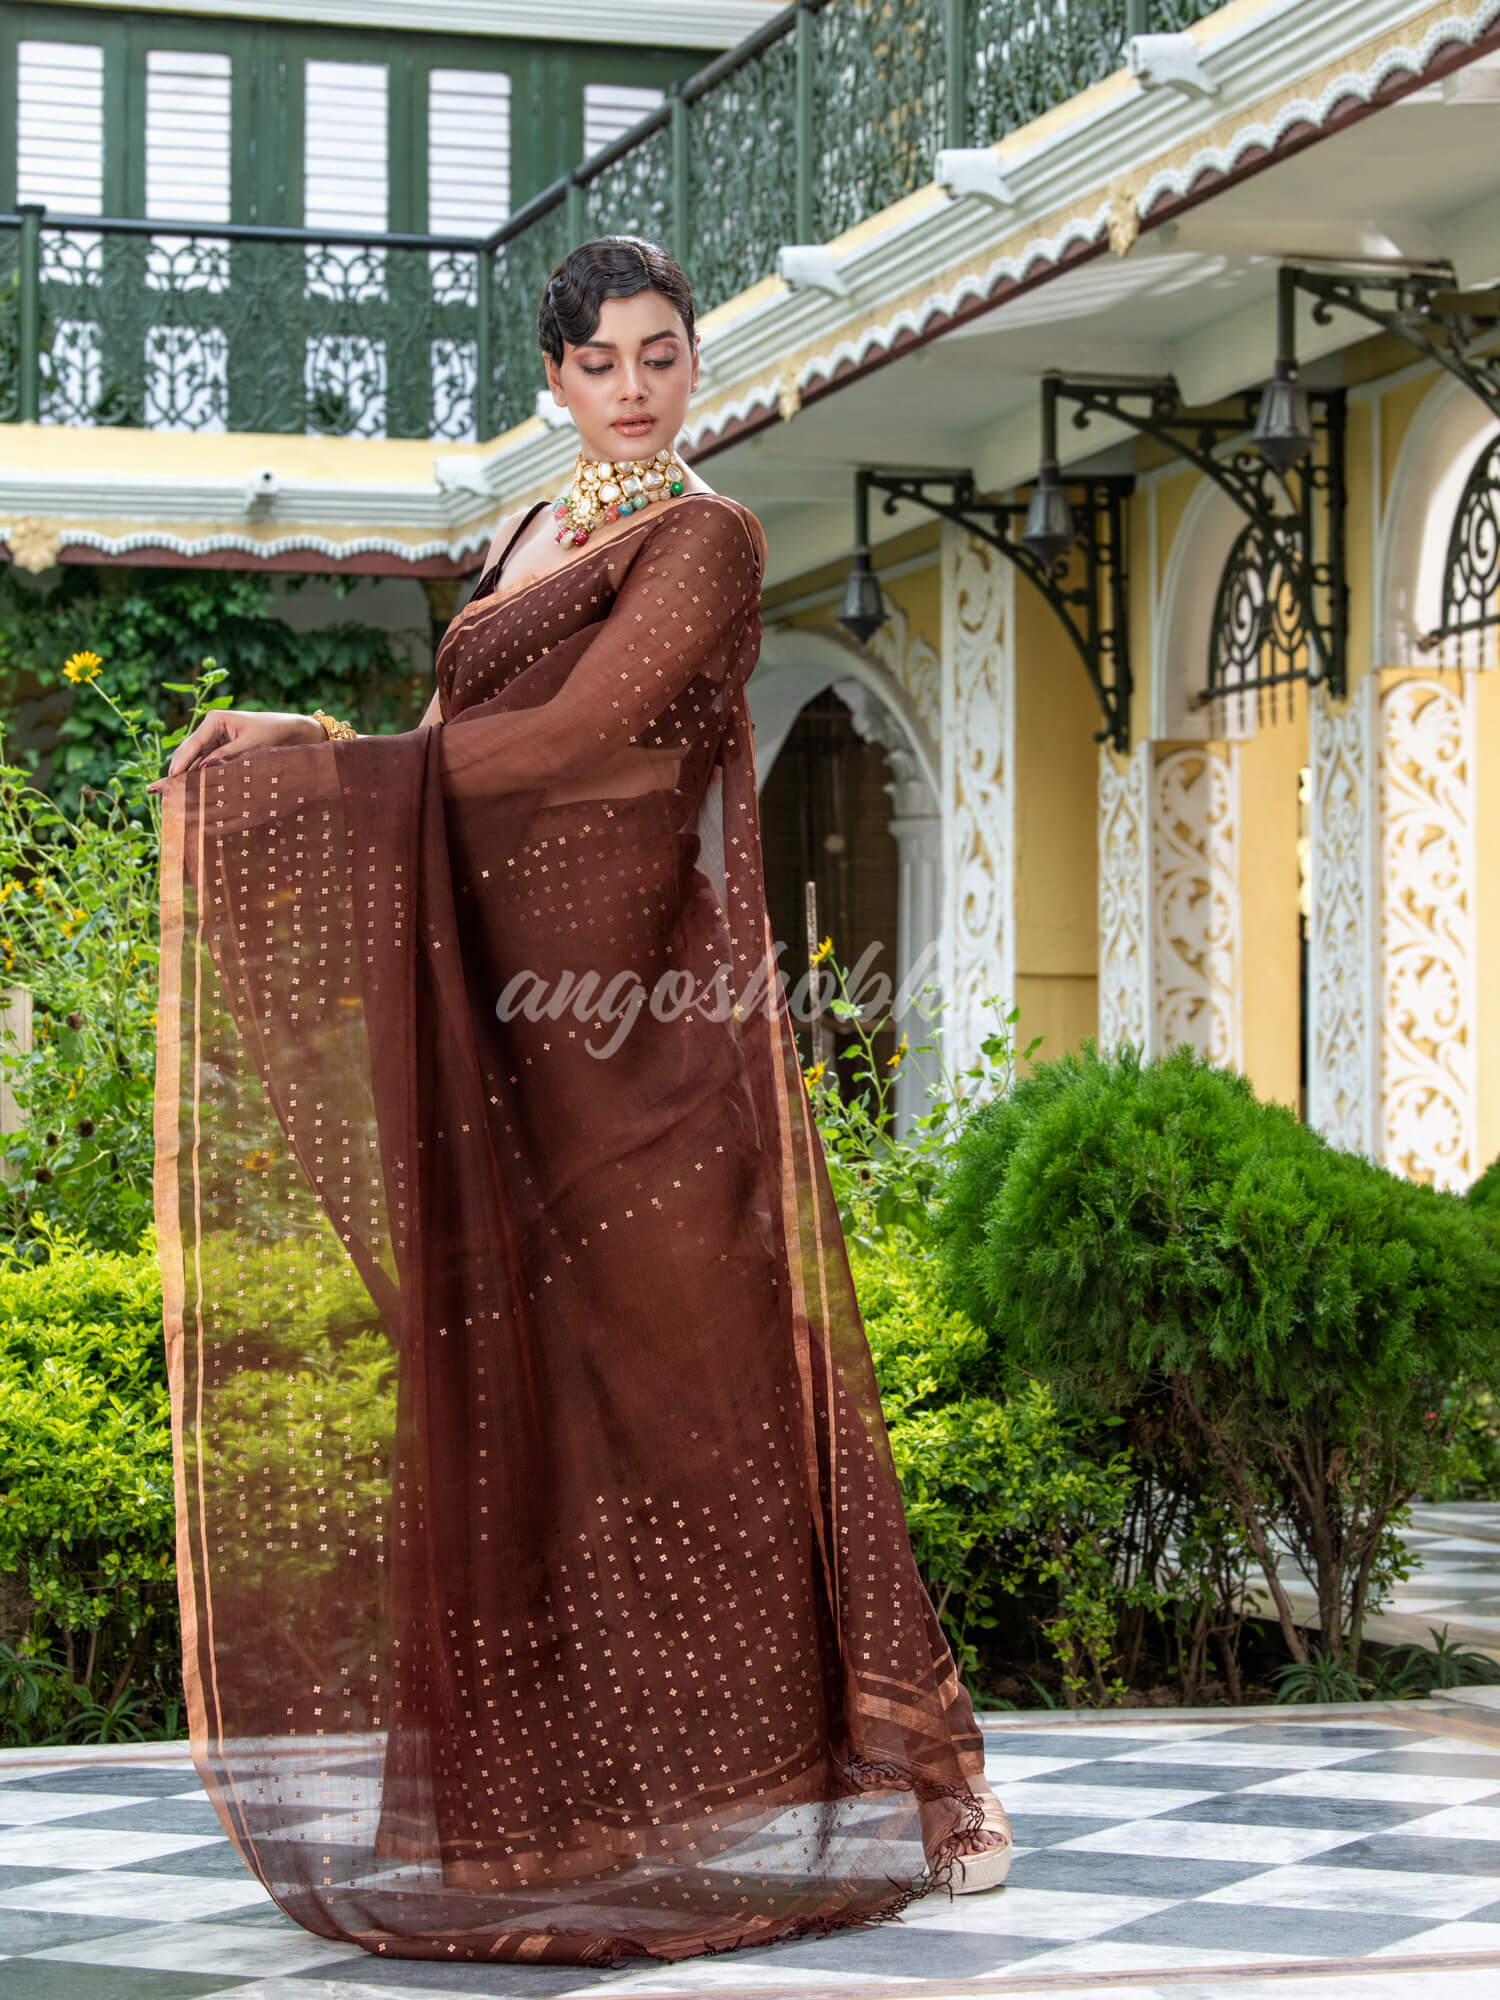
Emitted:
<point x="545" y="1586"/>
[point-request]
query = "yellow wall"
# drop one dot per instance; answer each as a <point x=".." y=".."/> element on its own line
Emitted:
<point x="1269" y="975"/>
<point x="1056" y="848"/>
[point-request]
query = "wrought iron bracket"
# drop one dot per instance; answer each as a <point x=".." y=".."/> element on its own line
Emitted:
<point x="1460" y="332"/>
<point x="1091" y="605"/>
<point x="1292" y="547"/>
<point x="1423" y="306"/>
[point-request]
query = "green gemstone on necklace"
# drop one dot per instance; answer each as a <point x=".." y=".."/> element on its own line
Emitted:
<point x="675" y="488"/>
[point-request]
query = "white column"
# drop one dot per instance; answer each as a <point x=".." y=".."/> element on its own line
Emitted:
<point x="1340" y="1058"/>
<point x="1425" y="984"/>
<point x="919" y="837"/>
<point x="1195" y="901"/>
<point x="1124" y="897"/>
<point x="1169" y="900"/>
<point x="978" y="802"/>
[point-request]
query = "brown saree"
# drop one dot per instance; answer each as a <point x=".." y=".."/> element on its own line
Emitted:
<point x="546" y="1592"/>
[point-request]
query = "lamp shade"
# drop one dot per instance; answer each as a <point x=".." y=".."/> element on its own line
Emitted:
<point x="1283" y="426"/>
<point x="863" y="609"/>
<point x="1050" y="530"/>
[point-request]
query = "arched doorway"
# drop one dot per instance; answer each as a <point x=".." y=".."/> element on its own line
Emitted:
<point x="848" y="803"/>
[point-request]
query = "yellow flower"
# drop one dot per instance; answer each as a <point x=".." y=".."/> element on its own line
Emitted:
<point x="891" y="1061"/>
<point x="822" y="951"/>
<point x="82" y="666"/>
<point x="814" y="1075"/>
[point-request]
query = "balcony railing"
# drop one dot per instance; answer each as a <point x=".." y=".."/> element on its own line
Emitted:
<point x="828" y="114"/>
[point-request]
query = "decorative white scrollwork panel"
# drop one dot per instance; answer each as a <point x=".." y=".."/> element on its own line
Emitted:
<point x="978" y="732"/>
<point x="1340" y="1068"/>
<point x="914" y="663"/>
<point x="1195" y="902"/>
<point x="1426" y="967"/>
<point x="1124" y="897"/>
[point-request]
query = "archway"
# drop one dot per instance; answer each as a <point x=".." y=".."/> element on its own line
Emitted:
<point x="848" y="778"/>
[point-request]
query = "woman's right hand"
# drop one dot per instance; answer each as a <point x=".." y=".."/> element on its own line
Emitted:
<point x="230" y="732"/>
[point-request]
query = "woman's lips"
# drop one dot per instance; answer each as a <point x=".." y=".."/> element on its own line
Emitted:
<point x="633" y="426"/>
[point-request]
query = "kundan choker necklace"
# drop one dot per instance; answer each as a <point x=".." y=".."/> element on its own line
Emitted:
<point x="602" y="490"/>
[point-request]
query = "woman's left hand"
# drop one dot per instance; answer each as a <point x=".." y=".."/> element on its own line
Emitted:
<point x="230" y="732"/>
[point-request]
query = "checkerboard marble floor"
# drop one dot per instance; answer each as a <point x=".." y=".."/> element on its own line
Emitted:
<point x="1170" y="1854"/>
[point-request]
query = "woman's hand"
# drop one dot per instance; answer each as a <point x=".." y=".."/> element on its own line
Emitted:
<point x="230" y="732"/>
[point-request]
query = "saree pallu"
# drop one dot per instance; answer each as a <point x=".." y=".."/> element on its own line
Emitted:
<point x="546" y="1592"/>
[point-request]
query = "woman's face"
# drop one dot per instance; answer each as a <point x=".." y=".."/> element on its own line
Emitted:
<point x="628" y="386"/>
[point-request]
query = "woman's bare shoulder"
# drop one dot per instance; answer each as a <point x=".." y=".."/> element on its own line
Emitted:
<point x="504" y="529"/>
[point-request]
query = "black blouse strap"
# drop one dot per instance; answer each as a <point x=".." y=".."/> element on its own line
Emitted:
<point x="492" y="575"/>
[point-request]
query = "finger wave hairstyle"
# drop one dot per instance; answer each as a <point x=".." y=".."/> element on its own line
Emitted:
<point x="610" y="267"/>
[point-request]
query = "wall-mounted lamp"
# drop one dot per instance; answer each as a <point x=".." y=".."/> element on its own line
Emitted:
<point x="1283" y="425"/>
<point x="863" y="611"/>
<point x="1050" y="529"/>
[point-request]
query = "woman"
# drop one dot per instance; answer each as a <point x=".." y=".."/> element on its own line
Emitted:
<point x="545" y="1585"/>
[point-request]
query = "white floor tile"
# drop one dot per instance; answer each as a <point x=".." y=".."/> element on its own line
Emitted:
<point x="1001" y="1769"/>
<point x="1061" y="1914"/>
<point x="1244" y="1755"/>
<point x="1113" y="1802"/>
<point x="1445" y="1938"/>
<point x="1388" y="1891"/>
<point x="208" y="1948"/>
<point x="91" y="1847"/>
<point x="36" y="1808"/>
<point x="1459" y="1823"/>
<point x="1103" y="1956"/>
<point x="1400" y="1788"/>
<point x="122" y="1892"/>
<point x="1207" y="1840"/>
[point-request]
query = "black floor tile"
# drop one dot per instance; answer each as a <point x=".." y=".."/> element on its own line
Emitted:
<point x="1047" y="1829"/>
<point x="1091" y="1872"/>
<point x="1163" y="1777"/>
<point x="39" y="1930"/>
<point x="904" y="1952"/>
<point x="117" y="1778"/>
<point x="1411" y="1853"/>
<point x="1429" y="1764"/>
<point x="1254" y="1927"/>
<point x="221" y="1859"/>
<point x="12" y="1877"/>
<point x="160" y="1816"/>
<point x="60" y="1979"/>
<point x="1283" y="1809"/>
<point x="1353" y="1737"/>
<point x="1079" y="1743"/>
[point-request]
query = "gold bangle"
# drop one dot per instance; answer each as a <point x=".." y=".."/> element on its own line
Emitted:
<point x="333" y="729"/>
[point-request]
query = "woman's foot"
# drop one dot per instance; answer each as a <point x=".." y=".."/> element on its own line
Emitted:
<point x="984" y="1856"/>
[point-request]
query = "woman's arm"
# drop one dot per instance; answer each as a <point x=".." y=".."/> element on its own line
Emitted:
<point x="230" y="732"/>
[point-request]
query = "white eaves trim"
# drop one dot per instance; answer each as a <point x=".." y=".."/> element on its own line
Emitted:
<point x="689" y="24"/>
<point x="1256" y="57"/>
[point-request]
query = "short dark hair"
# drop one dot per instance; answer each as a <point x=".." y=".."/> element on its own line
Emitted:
<point x="610" y="267"/>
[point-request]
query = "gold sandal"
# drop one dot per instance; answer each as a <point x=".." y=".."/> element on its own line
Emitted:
<point x="988" y="1868"/>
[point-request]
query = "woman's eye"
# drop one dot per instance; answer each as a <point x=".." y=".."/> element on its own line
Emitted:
<point x="594" y="371"/>
<point x="663" y="364"/>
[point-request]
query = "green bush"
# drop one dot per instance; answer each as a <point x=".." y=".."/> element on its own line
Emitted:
<point x="1276" y="1323"/>
<point x="152" y="627"/>
<point x="78" y="930"/>
<point x="86" y="1515"/>
<point x="998" y="1497"/>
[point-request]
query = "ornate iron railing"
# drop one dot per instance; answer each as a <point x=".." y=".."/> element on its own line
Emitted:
<point x="828" y="114"/>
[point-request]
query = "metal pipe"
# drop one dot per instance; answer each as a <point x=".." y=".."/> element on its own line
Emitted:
<point x="955" y="72"/>
<point x="804" y="134"/>
<point x="29" y="345"/>
<point x="682" y="182"/>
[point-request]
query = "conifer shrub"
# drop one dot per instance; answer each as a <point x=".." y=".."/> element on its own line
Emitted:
<point x="1282" y="1330"/>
